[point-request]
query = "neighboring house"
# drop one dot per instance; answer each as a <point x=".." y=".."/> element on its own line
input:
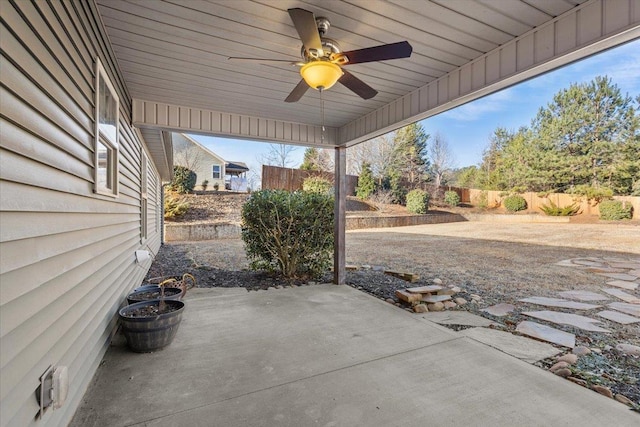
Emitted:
<point x="80" y="192"/>
<point x="208" y="165"/>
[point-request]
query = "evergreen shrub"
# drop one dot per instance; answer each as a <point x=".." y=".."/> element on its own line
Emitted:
<point x="317" y="184"/>
<point x="554" y="210"/>
<point x="417" y="201"/>
<point x="174" y="206"/>
<point x="366" y="183"/>
<point x="451" y="198"/>
<point x="184" y="180"/>
<point x="515" y="203"/>
<point x="613" y="210"/>
<point x="289" y="233"/>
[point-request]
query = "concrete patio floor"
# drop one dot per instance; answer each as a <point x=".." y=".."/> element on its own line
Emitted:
<point x="328" y="355"/>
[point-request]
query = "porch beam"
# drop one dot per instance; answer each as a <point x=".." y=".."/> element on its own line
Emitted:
<point x="151" y="114"/>
<point x="340" y="212"/>
<point x="587" y="29"/>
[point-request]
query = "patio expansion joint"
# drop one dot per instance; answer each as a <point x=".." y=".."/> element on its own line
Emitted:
<point x="319" y="374"/>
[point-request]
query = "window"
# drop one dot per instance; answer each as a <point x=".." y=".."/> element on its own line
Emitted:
<point x="106" y="145"/>
<point x="216" y="172"/>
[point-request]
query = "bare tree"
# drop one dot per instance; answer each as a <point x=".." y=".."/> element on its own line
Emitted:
<point x="186" y="154"/>
<point x="442" y="161"/>
<point x="278" y="155"/>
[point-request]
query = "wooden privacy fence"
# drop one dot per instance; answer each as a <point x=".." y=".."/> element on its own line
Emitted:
<point x="277" y="178"/>
<point x="535" y="202"/>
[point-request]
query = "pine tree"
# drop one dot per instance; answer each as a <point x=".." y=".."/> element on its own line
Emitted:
<point x="366" y="183"/>
<point x="310" y="160"/>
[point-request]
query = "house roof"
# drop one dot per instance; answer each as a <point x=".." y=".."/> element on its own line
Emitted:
<point x="237" y="167"/>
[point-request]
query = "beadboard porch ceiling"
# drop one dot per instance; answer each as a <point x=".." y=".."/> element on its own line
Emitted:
<point x="175" y="51"/>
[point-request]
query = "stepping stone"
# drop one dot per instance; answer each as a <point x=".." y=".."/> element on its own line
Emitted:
<point x="566" y="263"/>
<point x="618" y="293"/>
<point x="425" y="289"/>
<point x="624" y="284"/>
<point x="557" y="302"/>
<point x="606" y="270"/>
<point x="614" y="316"/>
<point x="457" y="318"/>
<point x="632" y="309"/>
<point x="630" y="265"/>
<point x="588" y="263"/>
<point x="436" y="298"/>
<point x="521" y="347"/>
<point x="584" y="295"/>
<point x="546" y="333"/>
<point x="618" y="276"/>
<point x="576" y="320"/>
<point x="501" y="309"/>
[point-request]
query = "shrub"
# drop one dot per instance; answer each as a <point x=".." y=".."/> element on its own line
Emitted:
<point x="515" y="203"/>
<point x="417" y="201"/>
<point x="184" y="180"/>
<point x="288" y="233"/>
<point x="216" y="186"/>
<point x="554" y="210"/>
<point x="366" y="183"/>
<point x="205" y="184"/>
<point x="317" y="184"/>
<point x="451" y="198"/>
<point x="381" y="199"/>
<point x="174" y="206"/>
<point x="612" y="210"/>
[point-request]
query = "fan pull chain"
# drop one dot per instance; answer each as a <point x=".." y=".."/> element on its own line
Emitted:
<point x="322" y="115"/>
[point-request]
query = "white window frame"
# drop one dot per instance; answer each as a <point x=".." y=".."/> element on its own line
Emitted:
<point x="106" y="170"/>
<point x="213" y="172"/>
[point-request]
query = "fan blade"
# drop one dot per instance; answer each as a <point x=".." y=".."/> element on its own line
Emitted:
<point x="305" y="24"/>
<point x="356" y="85"/>
<point x="297" y="92"/>
<point x="379" y="53"/>
<point x="262" y="60"/>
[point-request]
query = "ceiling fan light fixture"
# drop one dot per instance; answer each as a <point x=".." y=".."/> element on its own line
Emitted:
<point x="321" y="74"/>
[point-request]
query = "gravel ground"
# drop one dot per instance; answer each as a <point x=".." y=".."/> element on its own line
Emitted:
<point x="501" y="263"/>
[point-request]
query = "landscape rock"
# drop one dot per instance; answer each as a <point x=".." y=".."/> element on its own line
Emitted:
<point x="446" y="292"/>
<point x="424" y="289"/>
<point x="437" y="306"/>
<point x="390" y="300"/>
<point x="456" y="289"/>
<point x="420" y="308"/>
<point x="460" y="301"/>
<point x="623" y="399"/>
<point x="581" y="350"/>
<point x="501" y="309"/>
<point x="559" y="365"/>
<point x="563" y="372"/>
<point x="602" y="390"/>
<point x="569" y="358"/>
<point x="437" y="281"/>
<point x="408" y="296"/>
<point x="628" y="349"/>
<point x="436" y="298"/>
<point x="450" y="304"/>
<point x="578" y="381"/>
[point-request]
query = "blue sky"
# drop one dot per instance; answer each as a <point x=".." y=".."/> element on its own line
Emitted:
<point x="468" y="128"/>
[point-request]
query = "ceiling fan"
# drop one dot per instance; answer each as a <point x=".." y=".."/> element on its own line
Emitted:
<point x="322" y="58"/>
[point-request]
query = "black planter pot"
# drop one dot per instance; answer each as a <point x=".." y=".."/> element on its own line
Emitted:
<point x="148" y="287"/>
<point x="152" y="332"/>
<point x="139" y="295"/>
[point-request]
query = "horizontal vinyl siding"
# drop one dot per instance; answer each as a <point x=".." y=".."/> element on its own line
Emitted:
<point x="67" y="254"/>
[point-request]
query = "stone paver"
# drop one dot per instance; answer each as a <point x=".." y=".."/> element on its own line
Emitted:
<point x="436" y="298"/>
<point x="619" y="293"/>
<point x="618" y="276"/>
<point x="624" y="284"/>
<point x="457" y="318"/>
<point x="546" y="333"/>
<point x="425" y="289"/>
<point x="521" y="347"/>
<point x="618" y="317"/>
<point x="501" y="309"/>
<point x="583" y="295"/>
<point x="557" y="302"/>
<point x="632" y="309"/>
<point x="576" y="320"/>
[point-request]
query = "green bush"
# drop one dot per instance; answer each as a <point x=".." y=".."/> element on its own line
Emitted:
<point x="289" y="233"/>
<point x="174" y="206"/>
<point x="317" y="184"/>
<point x="366" y="183"/>
<point x="515" y="203"/>
<point x="612" y="210"/>
<point x="554" y="210"/>
<point x="451" y="198"/>
<point x="205" y="184"/>
<point x="417" y="201"/>
<point x="184" y="180"/>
